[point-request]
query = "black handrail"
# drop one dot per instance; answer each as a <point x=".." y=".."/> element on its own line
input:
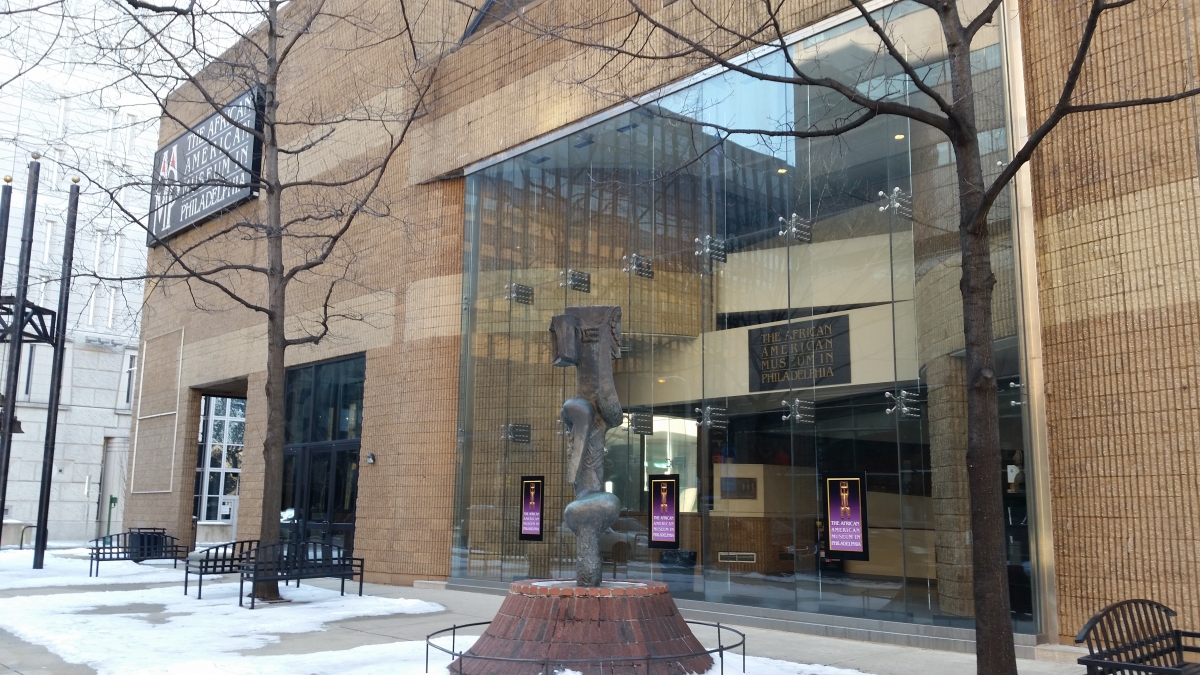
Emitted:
<point x="634" y="660"/>
<point x="21" y="541"/>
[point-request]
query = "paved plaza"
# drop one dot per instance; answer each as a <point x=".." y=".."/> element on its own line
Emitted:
<point x="137" y="619"/>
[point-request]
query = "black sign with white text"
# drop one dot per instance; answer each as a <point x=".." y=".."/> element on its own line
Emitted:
<point x="208" y="169"/>
<point x="812" y="353"/>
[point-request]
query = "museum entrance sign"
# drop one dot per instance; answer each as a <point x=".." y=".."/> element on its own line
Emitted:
<point x="207" y="170"/>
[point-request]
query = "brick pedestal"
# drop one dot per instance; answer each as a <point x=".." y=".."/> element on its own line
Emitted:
<point x="555" y="621"/>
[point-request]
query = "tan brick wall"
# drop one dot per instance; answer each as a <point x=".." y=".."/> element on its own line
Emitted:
<point x="1116" y="199"/>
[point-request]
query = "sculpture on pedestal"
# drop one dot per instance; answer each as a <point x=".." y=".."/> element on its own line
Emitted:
<point x="589" y="338"/>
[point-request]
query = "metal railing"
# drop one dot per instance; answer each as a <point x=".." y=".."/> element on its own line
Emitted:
<point x="610" y="662"/>
<point x="21" y="541"/>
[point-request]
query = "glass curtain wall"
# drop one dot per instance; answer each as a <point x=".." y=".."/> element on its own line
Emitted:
<point x="791" y="312"/>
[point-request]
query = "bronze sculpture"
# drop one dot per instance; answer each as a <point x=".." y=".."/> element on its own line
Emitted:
<point x="589" y="338"/>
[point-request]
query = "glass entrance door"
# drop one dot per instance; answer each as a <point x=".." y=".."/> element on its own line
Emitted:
<point x="324" y="425"/>
<point x="319" y="495"/>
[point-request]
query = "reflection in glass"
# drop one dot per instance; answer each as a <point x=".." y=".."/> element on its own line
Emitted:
<point x="222" y="423"/>
<point x="824" y="337"/>
<point x="322" y="443"/>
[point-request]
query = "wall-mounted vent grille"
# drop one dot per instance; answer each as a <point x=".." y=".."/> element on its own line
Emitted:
<point x="736" y="557"/>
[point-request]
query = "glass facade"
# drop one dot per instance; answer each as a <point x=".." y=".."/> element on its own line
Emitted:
<point x="320" y="455"/>
<point x="791" y="312"/>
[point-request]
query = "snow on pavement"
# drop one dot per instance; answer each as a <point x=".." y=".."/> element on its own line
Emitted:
<point x="160" y="630"/>
<point x="69" y="567"/>
<point x="113" y="632"/>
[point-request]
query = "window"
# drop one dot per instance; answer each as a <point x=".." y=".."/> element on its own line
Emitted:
<point x="324" y="401"/>
<point x="219" y="456"/>
<point x="126" y="395"/>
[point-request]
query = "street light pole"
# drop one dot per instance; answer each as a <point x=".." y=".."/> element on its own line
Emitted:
<point x="56" y="375"/>
<point x="18" y="323"/>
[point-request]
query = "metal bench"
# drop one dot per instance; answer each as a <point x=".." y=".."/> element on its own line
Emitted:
<point x="219" y="559"/>
<point x="138" y="544"/>
<point x="293" y="561"/>
<point x="1136" y="636"/>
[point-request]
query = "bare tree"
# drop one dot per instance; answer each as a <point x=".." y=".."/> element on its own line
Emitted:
<point x="635" y="35"/>
<point x="29" y="31"/>
<point x="286" y="253"/>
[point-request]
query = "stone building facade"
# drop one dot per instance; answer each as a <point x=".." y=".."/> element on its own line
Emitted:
<point x="53" y="110"/>
<point x="518" y="180"/>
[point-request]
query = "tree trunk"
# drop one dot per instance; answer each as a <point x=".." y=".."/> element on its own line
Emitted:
<point x="272" y="493"/>
<point x="994" y="651"/>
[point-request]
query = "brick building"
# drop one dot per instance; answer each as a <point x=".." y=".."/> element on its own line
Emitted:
<point x="520" y="192"/>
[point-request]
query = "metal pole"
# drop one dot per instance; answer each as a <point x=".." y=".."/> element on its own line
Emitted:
<point x="56" y="375"/>
<point x="112" y="501"/>
<point x="18" y="322"/>
<point x="5" y="204"/>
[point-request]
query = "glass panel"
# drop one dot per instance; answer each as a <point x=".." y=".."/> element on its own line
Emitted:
<point x="326" y="379"/>
<point x="215" y="456"/>
<point x="349" y="424"/>
<point x="213" y="484"/>
<point x="237" y="408"/>
<point x="345" y="487"/>
<point x="231" y="482"/>
<point x="287" y="502"/>
<point x="219" y="406"/>
<point x="237" y="433"/>
<point x="233" y="457"/>
<point x="318" y="487"/>
<point x="840" y="254"/>
<point x="338" y="400"/>
<point x="210" y="510"/>
<point x="197" y="494"/>
<point x="299" y="405"/>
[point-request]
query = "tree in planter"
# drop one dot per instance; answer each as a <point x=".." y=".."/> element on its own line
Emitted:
<point x="894" y="80"/>
<point x="317" y="174"/>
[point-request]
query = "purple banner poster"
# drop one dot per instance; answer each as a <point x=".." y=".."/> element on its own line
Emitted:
<point x="664" y="511"/>
<point x="532" y="492"/>
<point x="847" y="511"/>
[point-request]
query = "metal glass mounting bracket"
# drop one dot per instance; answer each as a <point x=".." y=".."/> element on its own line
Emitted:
<point x="902" y="404"/>
<point x="898" y="201"/>
<point x="796" y="228"/>
<point x="641" y="265"/>
<point x="517" y="433"/>
<point x="713" y="418"/>
<point x="711" y="248"/>
<point x="519" y="293"/>
<point x="642" y="423"/>
<point x="576" y="281"/>
<point x="799" y="410"/>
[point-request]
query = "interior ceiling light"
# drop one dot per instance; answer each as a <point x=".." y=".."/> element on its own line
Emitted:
<point x="781" y="170"/>
<point x="899" y="137"/>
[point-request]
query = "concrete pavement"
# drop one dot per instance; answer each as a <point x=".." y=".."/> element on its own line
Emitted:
<point x="464" y="607"/>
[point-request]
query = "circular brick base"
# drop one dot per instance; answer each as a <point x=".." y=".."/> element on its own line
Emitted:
<point x="556" y="621"/>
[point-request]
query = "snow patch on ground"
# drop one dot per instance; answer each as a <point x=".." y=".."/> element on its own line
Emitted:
<point x="69" y="567"/>
<point x="159" y="630"/>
